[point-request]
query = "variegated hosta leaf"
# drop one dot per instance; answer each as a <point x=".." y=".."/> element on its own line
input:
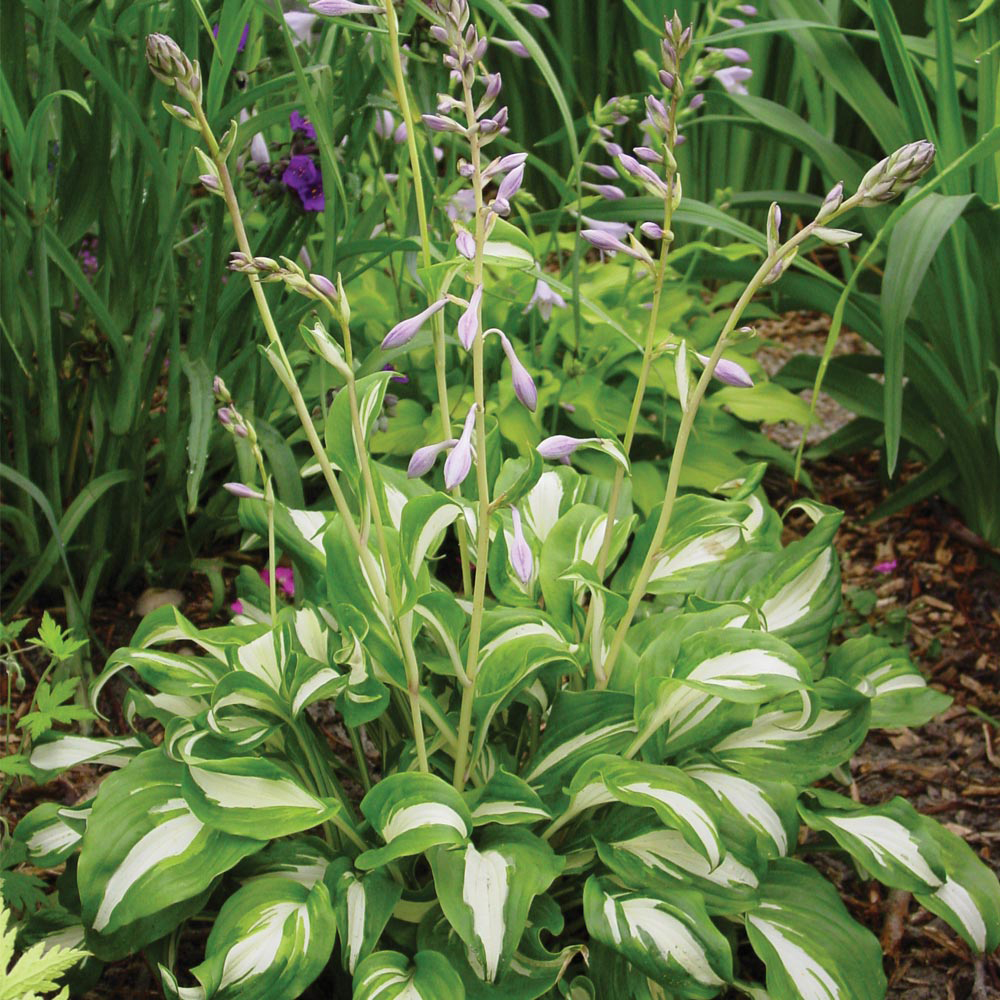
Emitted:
<point x="302" y="859"/>
<point x="167" y="624"/>
<point x="516" y="644"/>
<point x="800" y="594"/>
<point x="364" y="697"/>
<point x="412" y="812"/>
<point x="250" y="796"/>
<point x="812" y="948"/>
<point x="518" y="477"/>
<point x="363" y="905"/>
<point x="246" y="709"/>
<point x="487" y="891"/>
<point x="703" y="532"/>
<point x="714" y="669"/>
<point x="54" y="753"/>
<point x="905" y="850"/>
<point x="191" y="742"/>
<point x="314" y="681"/>
<point x="767" y="807"/>
<point x="339" y="435"/>
<point x="388" y="975"/>
<point x="443" y="620"/>
<point x="146" y="860"/>
<point x="673" y="941"/>
<point x="580" y="726"/>
<point x="899" y="694"/>
<point x="507" y="800"/>
<point x="266" y="658"/>
<point x="424" y="522"/>
<point x="164" y="708"/>
<point x="299" y="533"/>
<point x="611" y="974"/>
<point x="314" y="629"/>
<point x="51" y="832"/>
<point x="271" y="939"/>
<point x="554" y="493"/>
<point x="647" y="855"/>
<point x="781" y="745"/>
<point x="169" y="673"/>
<point x="576" y="537"/>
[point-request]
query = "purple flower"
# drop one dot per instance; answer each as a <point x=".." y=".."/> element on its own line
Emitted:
<point x="301" y="25"/>
<point x="544" y="300"/>
<point x="729" y="372"/>
<point x="468" y="325"/>
<point x="606" y="243"/>
<point x="733" y="78"/>
<point x="441" y="123"/>
<point x="284" y="575"/>
<point x="302" y="124"/>
<point x="561" y="446"/>
<point x="458" y="463"/>
<point x="604" y="170"/>
<point x="609" y="191"/>
<point x="513" y="46"/>
<point x="886" y="567"/>
<point x="647" y="154"/>
<point x="403" y="379"/>
<point x="652" y="230"/>
<point x="243" y="38"/>
<point x="461" y="206"/>
<point x="524" y="384"/>
<point x="535" y="10"/>
<point x="520" y="551"/>
<point x="303" y="177"/>
<point x="343" y="8"/>
<point x="241" y="491"/>
<point x="385" y="124"/>
<point x="696" y="102"/>
<point x="424" y="458"/>
<point x="509" y="186"/>
<point x="236" y="607"/>
<point x="405" y="330"/>
<point x="617" y="229"/>
<point x="747" y="9"/>
<point x="737" y="55"/>
<point x="465" y="243"/>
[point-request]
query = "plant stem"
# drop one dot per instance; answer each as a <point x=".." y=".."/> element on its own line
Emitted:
<point x="684" y="433"/>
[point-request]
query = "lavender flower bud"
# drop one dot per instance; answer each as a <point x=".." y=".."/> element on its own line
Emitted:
<point x="604" y="170"/>
<point x="659" y="116"/>
<point x="404" y="331"/>
<point x="609" y="191"/>
<point x="225" y="416"/>
<point x="561" y="446"/>
<point x="492" y="91"/>
<point x="511" y="45"/>
<point x="667" y="79"/>
<point x="612" y="148"/>
<point x="439" y="123"/>
<point x="424" y="458"/>
<point x="535" y="10"/>
<point x="733" y="22"/>
<point x="773" y="227"/>
<point x="465" y="243"/>
<point x="220" y="390"/>
<point x="649" y="180"/>
<point x="898" y="171"/>
<point x="737" y="55"/>
<point x="324" y="286"/>
<point x="468" y="325"/>
<point x="502" y="165"/>
<point x="343" y="8"/>
<point x="520" y="552"/>
<point x="524" y="384"/>
<point x="696" y="102"/>
<point x="241" y="491"/>
<point x="652" y="230"/>
<point x="733" y="78"/>
<point x="747" y="9"/>
<point x="648" y="154"/>
<point x="831" y="202"/>
<point x="604" y="242"/>
<point x="729" y="372"/>
<point x="458" y="463"/>
<point x="439" y="34"/>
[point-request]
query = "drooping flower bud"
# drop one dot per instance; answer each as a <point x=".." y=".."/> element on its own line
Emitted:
<point x="729" y="372"/>
<point x="520" y="552"/>
<point x="773" y="227"/>
<point x="465" y="243"/>
<point x="324" y="286"/>
<point x="241" y="491"/>
<point x="652" y="230"/>
<point x="468" y="325"/>
<point x="343" y="8"/>
<point x="404" y="331"/>
<point x="609" y="191"/>
<point x="524" y="384"/>
<point x="458" y="463"/>
<point x="424" y="458"/>
<point x="561" y="446"/>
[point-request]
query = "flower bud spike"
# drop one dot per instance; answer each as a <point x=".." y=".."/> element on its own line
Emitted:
<point x="524" y="384"/>
<point x="468" y="325"/>
<point x="404" y="331"/>
<point x="459" y="462"/>
<point x="520" y="552"/>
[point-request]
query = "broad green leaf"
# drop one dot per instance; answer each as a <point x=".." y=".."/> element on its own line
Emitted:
<point x="412" y="812"/>
<point x="808" y="941"/>
<point x="506" y="800"/>
<point x="249" y="795"/>
<point x="271" y="939"/>
<point x="899" y="694"/>
<point x="305" y="860"/>
<point x="486" y="892"/>
<point x="363" y="904"/>
<point x="364" y="697"/>
<point x="508" y="246"/>
<point x="673" y="941"/>
<point x="299" y="533"/>
<point x="388" y="975"/>
<point x="339" y="436"/>
<point x="146" y="860"/>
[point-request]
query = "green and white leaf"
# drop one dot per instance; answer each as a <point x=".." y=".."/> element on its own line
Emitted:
<point x="363" y="905"/>
<point x="388" y="975"/>
<point x="506" y="800"/>
<point x="54" y="753"/>
<point x="47" y="836"/>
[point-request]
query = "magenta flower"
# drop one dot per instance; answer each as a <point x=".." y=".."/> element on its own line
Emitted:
<point x="303" y="177"/>
<point x="236" y="607"/>
<point x="888" y="566"/>
<point x="302" y="124"/>
<point x="285" y="577"/>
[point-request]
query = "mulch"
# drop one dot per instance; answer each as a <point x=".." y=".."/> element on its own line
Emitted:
<point x="920" y="579"/>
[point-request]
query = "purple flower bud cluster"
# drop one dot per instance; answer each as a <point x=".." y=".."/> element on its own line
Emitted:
<point x="234" y="422"/>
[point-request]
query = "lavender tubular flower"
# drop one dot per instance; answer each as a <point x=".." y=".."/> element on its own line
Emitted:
<point x="648" y="154"/>
<point x="524" y="384"/>
<point x="511" y="45"/>
<point x="729" y="372"/>
<point x="561" y="446"/>
<point x="734" y="78"/>
<point x="468" y="325"/>
<point x="241" y="491"/>
<point x="465" y="243"/>
<point x="608" y="191"/>
<point x="439" y="123"/>
<point x="652" y="230"/>
<point x="520" y="552"/>
<point x="424" y="458"/>
<point x="501" y="165"/>
<point x="459" y="462"/>
<point x="535" y="10"/>
<point x="544" y="299"/>
<point x="404" y="331"/>
<point x="343" y="8"/>
<point x="604" y="170"/>
<point x="649" y="180"/>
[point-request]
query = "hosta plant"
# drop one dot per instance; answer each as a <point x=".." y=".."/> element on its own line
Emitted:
<point x="580" y="752"/>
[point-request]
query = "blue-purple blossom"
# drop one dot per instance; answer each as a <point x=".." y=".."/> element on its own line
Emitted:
<point x="468" y="325"/>
<point x="747" y="9"/>
<point x="617" y="229"/>
<point x="544" y="299"/>
<point x="303" y="177"/>
<point x="424" y="458"/>
<point x="737" y="55"/>
<point x="652" y="230"/>
<point x="405" y="330"/>
<point x="561" y="446"/>
<point x="733" y="78"/>
<point x="605" y="170"/>
<point x="440" y="123"/>
<point x="300" y="123"/>
<point x="524" y="384"/>
<point x="398" y="377"/>
<point x="458" y="463"/>
<point x="535" y="10"/>
<point x="696" y="102"/>
<point x="520" y="552"/>
<point x="648" y="154"/>
<point x="729" y="372"/>
<point x="243" y="38"/>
